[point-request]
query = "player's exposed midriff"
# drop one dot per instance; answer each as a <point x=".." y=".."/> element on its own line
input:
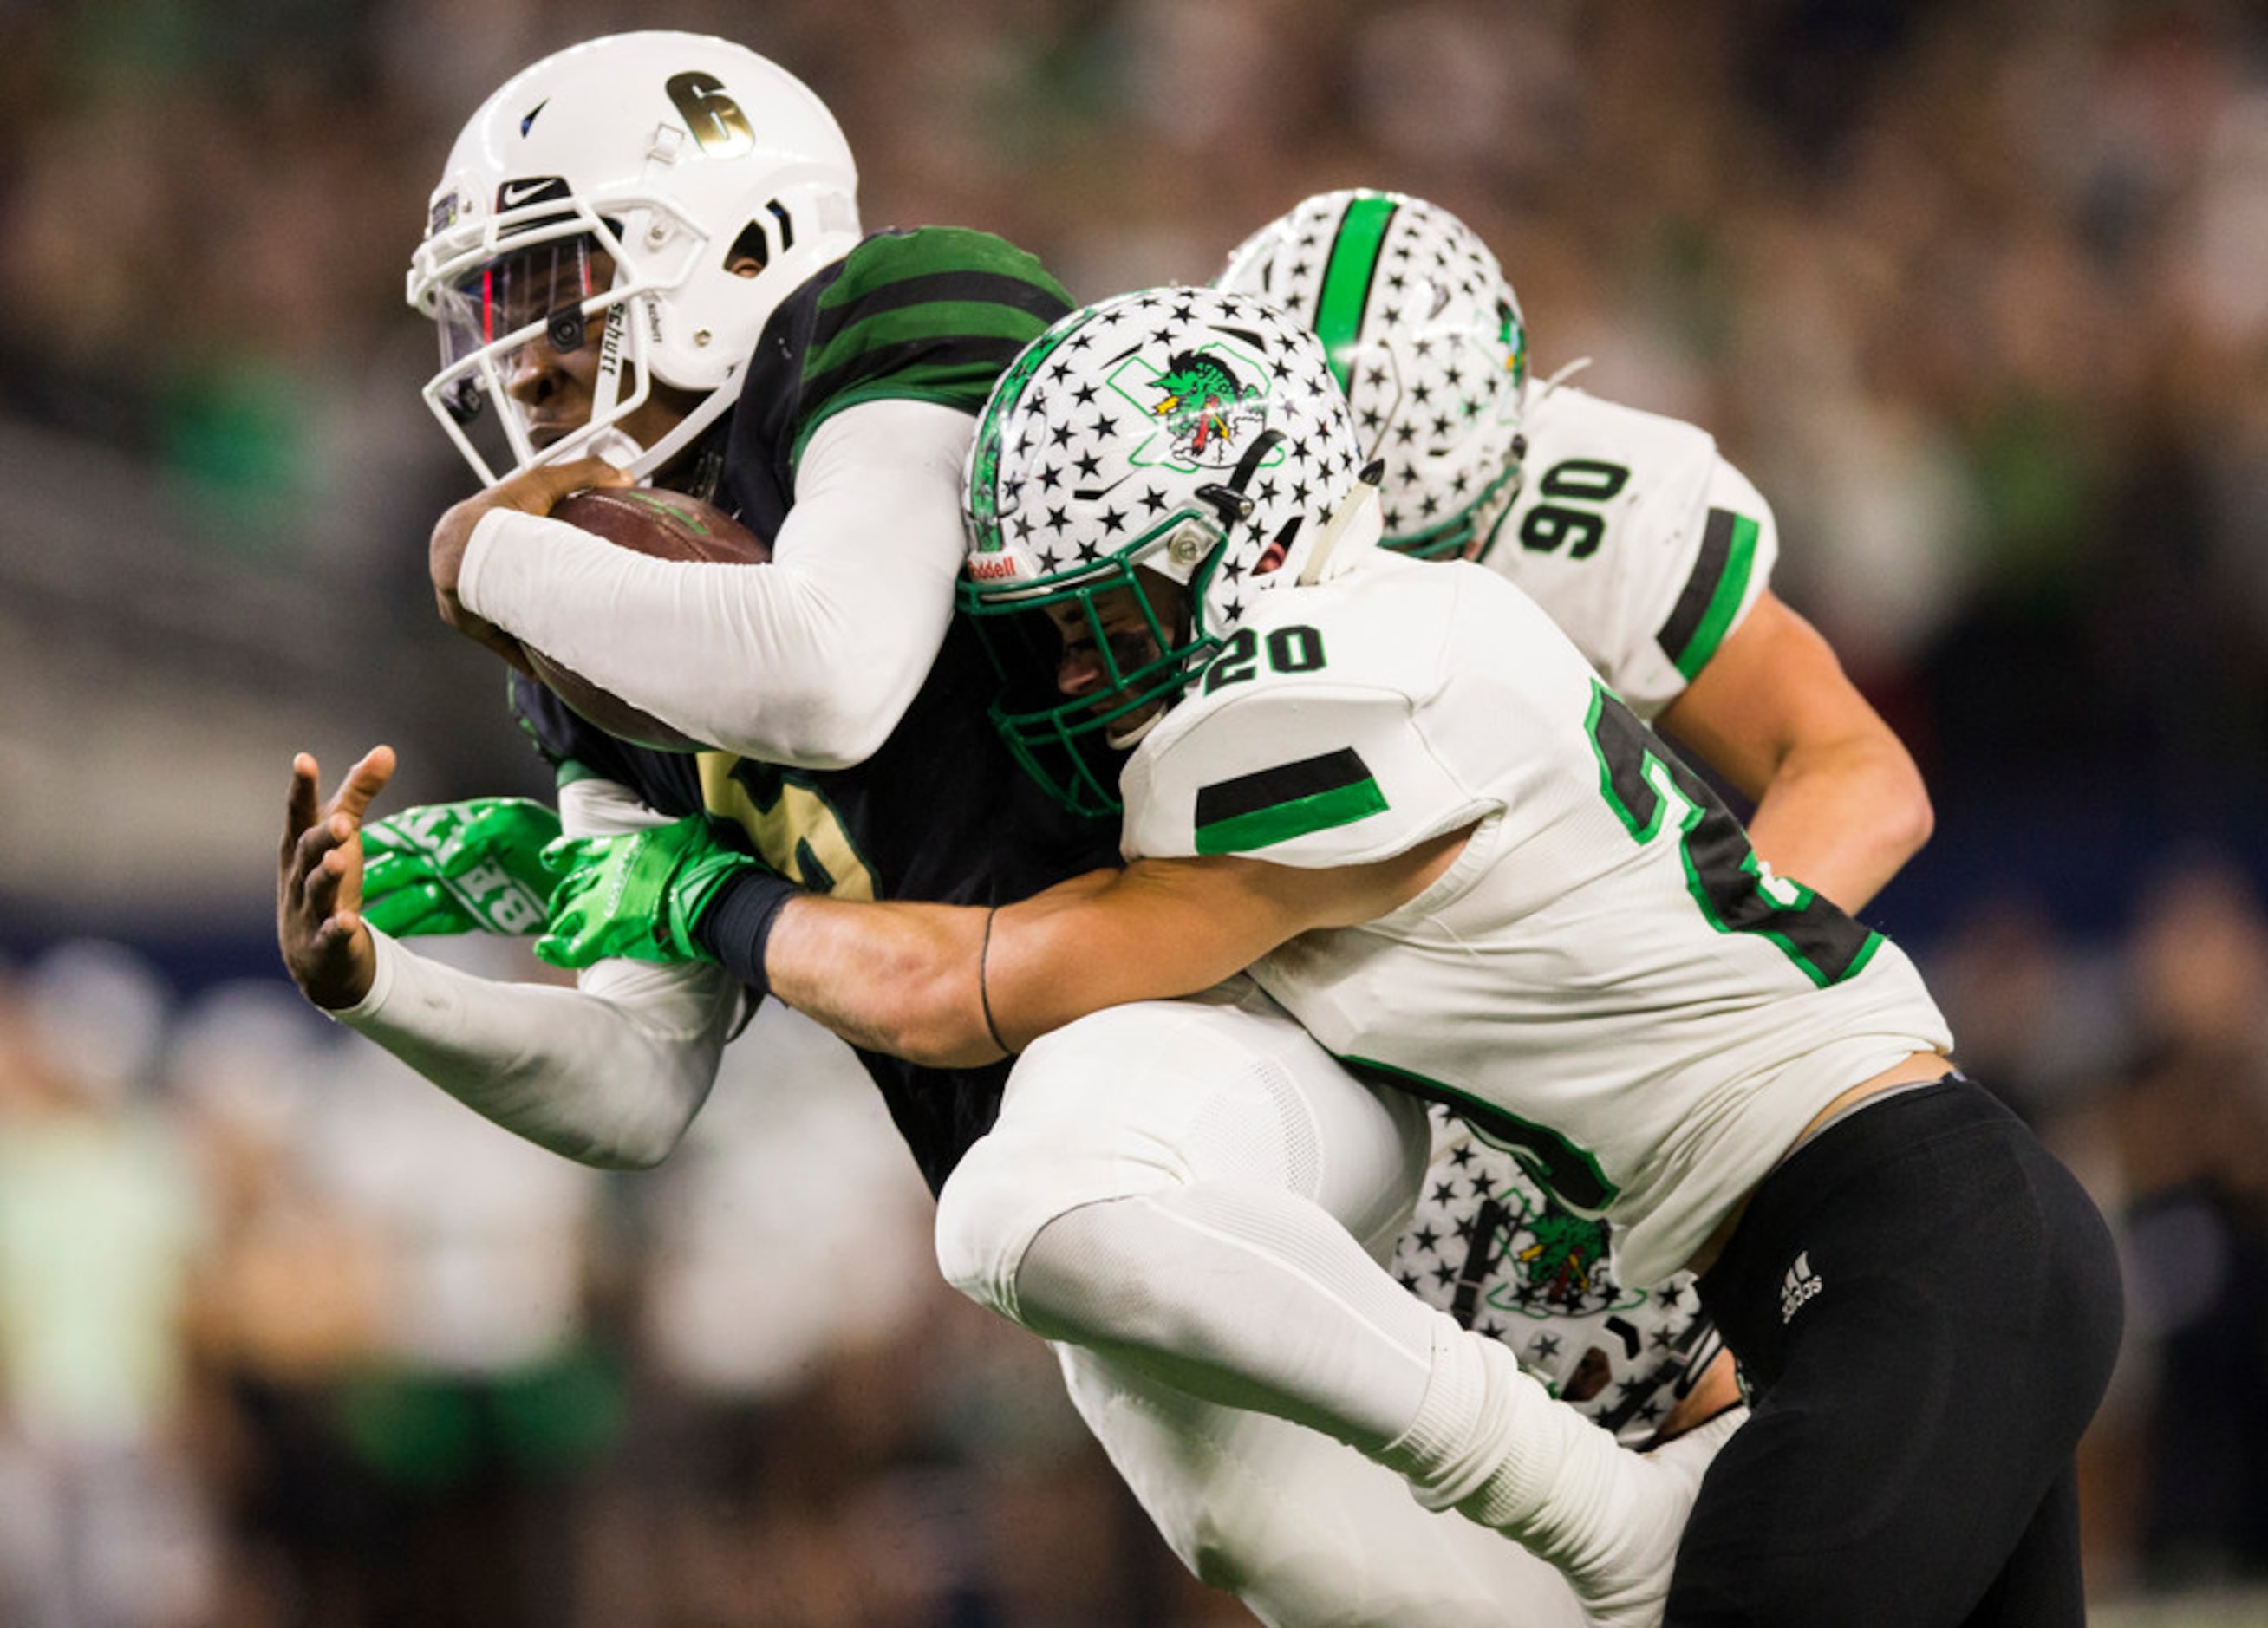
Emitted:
<point x="1919" y="1069"/>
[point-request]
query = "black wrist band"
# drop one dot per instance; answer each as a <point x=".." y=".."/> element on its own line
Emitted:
<point x="737" y="925"/>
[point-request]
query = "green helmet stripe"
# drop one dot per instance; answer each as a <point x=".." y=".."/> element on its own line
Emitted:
<point x="983" y="492"/>
<point x="1346" y="280"/>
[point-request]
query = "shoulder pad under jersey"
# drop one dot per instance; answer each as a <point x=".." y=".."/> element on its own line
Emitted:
<point x="931" y="314"/>
<point x="1638" y="538"/>
<point x="1305" y="740"/>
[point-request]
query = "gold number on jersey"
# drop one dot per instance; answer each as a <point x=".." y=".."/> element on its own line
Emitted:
<point x="794" y="827"/>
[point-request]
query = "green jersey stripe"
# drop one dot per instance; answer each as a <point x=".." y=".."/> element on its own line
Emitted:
<point x="1347" y="279"/>
<point x="944" y="292"/>
<point x="946" y="330"/>
<point x="1713" y="595"/>
<point x="957" y="374"/>
<point x="1290" y="800"/>
<point x="1296" y="818"/>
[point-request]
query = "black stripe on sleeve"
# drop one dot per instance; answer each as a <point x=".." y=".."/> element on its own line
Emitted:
<point x="1286" y="783"/>
<point x="923" y="288"/>
<point x="1700" y="590"/>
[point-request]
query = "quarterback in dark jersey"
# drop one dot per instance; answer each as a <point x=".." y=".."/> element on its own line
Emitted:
<point x="645" y="249"/>
<point x="978" y="829"/>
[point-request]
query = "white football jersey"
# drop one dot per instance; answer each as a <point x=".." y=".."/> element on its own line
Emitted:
<point x="1647" y="548"/>
<point x="1643" y="543"/>
<point x="1606" y="980"/>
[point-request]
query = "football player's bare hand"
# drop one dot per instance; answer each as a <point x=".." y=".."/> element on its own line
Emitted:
<point x="319" y="925"/>
<point x="530" y="491"/>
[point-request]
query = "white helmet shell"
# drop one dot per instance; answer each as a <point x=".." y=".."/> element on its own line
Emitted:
<point x="1184" y="433"/>
<point x="1425" y="336"/>
<point x="688" y="160"/>
<point x="1190" y="431"/>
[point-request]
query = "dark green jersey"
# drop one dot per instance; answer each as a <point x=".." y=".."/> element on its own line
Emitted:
<point x="933" y="314"/>
<point x="939" y="812"/>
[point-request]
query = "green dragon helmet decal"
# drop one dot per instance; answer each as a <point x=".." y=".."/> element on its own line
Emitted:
<point x="1425" y="335"/>
<point x="1189" y="444"/>
<point x="1488" y="1244"/>
<point x="1207" y="411"/>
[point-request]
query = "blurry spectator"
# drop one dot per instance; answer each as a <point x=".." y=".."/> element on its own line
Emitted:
<point x="2193" y="1129"/>
<point x="492" y="1391"/>
<point x="287" y="1308"/>
<point x="101" y="1521"/>
<point x="2034" y="1015"/>
<point x="785" y="1254"/>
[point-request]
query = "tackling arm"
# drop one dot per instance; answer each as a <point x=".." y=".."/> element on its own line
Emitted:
<point x="1840" y="805"/>
<point x="951" y="986"/>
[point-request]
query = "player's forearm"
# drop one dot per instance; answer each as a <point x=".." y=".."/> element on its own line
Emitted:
<point x="809" y="660"/>
<point x="1844" y="819"/>
<point x="609" y="1074"/>
<point x="903" y="979"/>
<point x="758" y="660"/>
<point x="951" y="986"/>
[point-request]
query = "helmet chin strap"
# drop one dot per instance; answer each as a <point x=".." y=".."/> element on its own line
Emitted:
<point x="714" y="406"/>
<point x="1359" y="515"/>
<point x="613" y="446"/>
<point x="1126" y="739"/>
<point x="620" y="448"/>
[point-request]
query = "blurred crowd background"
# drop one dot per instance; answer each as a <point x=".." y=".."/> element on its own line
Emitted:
<point x="1975" y="289"/>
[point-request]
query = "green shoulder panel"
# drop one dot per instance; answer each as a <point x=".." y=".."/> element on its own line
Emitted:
<point x="932" y="314"/>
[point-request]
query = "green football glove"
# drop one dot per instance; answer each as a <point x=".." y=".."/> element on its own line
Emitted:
<point x="637" y="894"/>
<point x="474" y="867"/>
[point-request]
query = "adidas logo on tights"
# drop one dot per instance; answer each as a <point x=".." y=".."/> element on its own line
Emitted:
<point x="1800" y="1284"/>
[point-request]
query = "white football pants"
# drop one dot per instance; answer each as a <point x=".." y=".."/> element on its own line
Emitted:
<point x="1195" y="1201"/>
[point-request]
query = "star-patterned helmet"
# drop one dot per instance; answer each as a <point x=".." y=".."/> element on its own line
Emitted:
<point x="1425" y="335"/>
<point x="1187" y="444"/>
<point x="1489" y="1244"/>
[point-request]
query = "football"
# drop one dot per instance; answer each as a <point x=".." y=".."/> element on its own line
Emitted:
<point x="669" y="526"/>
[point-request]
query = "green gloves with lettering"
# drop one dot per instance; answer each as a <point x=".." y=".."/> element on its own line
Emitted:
<point x="637" y="894"/>
<point x="474" y="867"/>
<point x="490" y="865"/>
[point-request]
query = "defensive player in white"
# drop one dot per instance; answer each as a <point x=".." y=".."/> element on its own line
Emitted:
<point x="1401" y="797"/>
<point x="1654" y="554"/>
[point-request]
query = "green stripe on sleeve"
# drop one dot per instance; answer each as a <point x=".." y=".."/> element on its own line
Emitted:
<point x="1347" y="279"/>
<point x="1712" y="595"/>
<point x="1289" y="800"/>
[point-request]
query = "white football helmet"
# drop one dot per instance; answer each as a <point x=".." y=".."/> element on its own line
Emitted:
<point x="1187" y="434"/>
<point x="682" y="162"/>
<point x="1425" y="335"/>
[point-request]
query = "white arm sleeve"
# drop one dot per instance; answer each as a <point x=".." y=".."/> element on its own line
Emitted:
<point x="809" y="662"/>
<point x="610" y="1073"/>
